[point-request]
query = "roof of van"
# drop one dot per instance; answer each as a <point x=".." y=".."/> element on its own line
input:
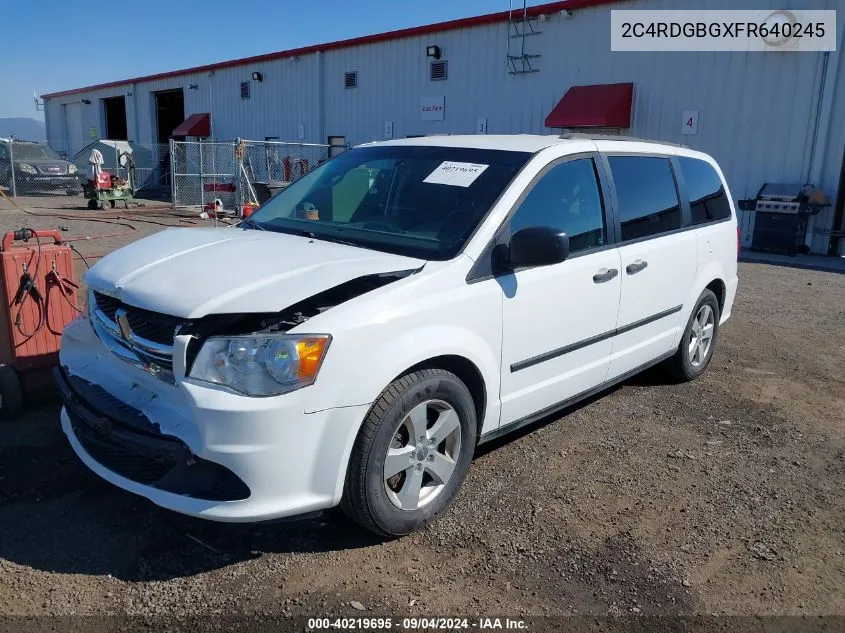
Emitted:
<point x="529" y="142"/>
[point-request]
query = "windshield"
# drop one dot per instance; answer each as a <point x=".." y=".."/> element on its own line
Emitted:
<point x="33" y="151"/>
<point x="418" y="201"/>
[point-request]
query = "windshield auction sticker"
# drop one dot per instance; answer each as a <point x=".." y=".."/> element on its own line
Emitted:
<point x="455" y="174"/>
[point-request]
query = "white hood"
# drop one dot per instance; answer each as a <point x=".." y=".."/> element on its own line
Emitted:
<point x="192" y="273"/>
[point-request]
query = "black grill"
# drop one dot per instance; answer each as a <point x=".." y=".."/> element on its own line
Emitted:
<point x="123" y="440"/>
<point x="107" y="304"/>
<point x="144" y="469"/>
<point x="153" y="326"/>
<point x="102" y="400"/>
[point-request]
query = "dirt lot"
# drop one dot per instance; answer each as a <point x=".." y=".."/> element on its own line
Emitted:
<point x="721" y="496"/>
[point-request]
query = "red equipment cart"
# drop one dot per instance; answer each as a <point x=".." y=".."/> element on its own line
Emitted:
<point x="39" y="297"/>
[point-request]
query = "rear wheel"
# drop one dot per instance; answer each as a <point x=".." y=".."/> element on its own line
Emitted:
<point x="92" y="204"/>
<point x="11" y="393"/>
<point x="699" y="340"/>
<point x="412" y="453"/>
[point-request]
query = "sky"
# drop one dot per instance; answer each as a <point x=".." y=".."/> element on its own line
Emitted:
<point x="53" y="45"/>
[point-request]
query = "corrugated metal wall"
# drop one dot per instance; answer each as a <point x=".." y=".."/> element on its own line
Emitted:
<point x="758" y="112"/>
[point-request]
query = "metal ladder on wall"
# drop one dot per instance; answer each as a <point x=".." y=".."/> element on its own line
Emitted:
<point x="520" y="27"/>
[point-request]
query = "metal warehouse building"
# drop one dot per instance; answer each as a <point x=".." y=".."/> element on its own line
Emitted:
<point x="766" y="117"/>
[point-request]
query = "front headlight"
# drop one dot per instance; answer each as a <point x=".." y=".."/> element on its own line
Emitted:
<point x="27" y="168"/>
<point x="261" y="365"/>
<point x="71" y="168"/>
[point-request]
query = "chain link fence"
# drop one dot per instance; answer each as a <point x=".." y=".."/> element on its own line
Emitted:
<point x="185" y="173"/>
<point x="30" y="168"/>
<point x="238" y="172"/>
<point x="33" y="169"/>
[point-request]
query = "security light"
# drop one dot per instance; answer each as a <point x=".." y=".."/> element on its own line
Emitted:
<point x="257" y="77"/>
<point x="85" y="101"/>
<point x="432" y="51"/>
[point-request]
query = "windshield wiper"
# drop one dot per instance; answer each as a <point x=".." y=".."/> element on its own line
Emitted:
<point x="327" y="238"/>
<point x="252" y="223"/>
<point x="323" y="237"/>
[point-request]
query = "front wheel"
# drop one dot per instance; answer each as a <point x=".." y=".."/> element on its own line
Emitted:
<point x="698" y="342"/>
<point x="412" y="453"/>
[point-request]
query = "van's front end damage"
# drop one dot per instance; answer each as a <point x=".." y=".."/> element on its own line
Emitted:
<point x="199" y="449"/>
<point x="204" y="413"/>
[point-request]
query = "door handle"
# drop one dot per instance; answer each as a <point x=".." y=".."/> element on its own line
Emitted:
<point x="605" y="274"/>
<point x="635" y="267"/>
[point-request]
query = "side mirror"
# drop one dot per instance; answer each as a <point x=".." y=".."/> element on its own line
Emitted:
<point x="537" y="246"/>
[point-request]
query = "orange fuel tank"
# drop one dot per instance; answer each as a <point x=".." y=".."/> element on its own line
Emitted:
<point x="39" y="295"/>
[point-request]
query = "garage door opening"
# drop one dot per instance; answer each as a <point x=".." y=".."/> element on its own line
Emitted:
<point x="170" y="112"/>
<point x="115" y="114"/>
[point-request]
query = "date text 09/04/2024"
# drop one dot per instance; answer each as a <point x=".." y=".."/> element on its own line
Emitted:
<point x="420" y="623"/>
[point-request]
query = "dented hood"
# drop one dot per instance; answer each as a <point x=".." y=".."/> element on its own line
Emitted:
<point x="192" y="273"/>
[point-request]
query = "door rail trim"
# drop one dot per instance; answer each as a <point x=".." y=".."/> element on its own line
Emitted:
<point x="569" y="402"/>
<point x="566" y="349"/>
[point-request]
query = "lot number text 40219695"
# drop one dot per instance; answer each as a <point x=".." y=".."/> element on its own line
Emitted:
<point x="416" y="623"/>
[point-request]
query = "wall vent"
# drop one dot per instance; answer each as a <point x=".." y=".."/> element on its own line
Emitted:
<point x="439" y="70"/>
<point x="244" y="90"/>
<point x="350" y="80"/>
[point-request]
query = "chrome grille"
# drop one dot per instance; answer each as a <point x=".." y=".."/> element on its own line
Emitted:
<point x="141" y="337"/>
<point x="52" y="170"/>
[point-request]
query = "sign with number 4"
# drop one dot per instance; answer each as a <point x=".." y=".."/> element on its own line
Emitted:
<point x="689" y="124"/>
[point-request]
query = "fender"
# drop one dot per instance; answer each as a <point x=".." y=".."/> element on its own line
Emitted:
<point x="363" y="387"/>
<point x="713" y="270"/>
<point x="409" y="348"/>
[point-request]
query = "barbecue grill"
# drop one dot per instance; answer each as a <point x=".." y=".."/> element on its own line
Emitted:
<point x="781" y="212"/>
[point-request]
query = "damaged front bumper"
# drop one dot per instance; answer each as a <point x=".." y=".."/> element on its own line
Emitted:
<point x="197" y="449"/>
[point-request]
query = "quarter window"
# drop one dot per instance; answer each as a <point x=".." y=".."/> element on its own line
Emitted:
<point x="708" y="199"/>
<point x="568" y="199"/>
<point x="646" y="195"/>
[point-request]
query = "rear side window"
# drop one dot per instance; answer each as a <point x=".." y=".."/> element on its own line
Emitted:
<point x="646" y="194"/>
<point x="707" y="195"/>
<point x="567" y="199"/>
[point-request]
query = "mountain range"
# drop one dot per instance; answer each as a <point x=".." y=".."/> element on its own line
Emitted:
<point x="26" y="129"/>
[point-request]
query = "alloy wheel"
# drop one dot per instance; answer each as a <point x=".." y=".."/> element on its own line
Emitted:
<point x="422" y="455"/>
<point x="701" y="339"/>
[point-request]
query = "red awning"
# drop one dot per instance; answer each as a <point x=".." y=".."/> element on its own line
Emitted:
<point x="195" y="125"/>
<point x="601" y="105"/>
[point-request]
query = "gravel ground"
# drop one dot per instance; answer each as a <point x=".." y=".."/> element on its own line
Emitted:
<point x="720" y="496"/>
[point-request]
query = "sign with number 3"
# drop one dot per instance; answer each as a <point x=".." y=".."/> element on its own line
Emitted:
<point x="689" y="123"/>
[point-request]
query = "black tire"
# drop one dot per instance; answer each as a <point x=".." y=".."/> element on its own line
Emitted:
<point x="11" y="393"/>
<point x="680" y="367"/>
<point x="92" y="204"/>
<point x="365" y="496"/>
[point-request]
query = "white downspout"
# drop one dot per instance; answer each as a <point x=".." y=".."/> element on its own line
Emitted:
<point x="821" y="132"/>
<point x="321" y="104"/>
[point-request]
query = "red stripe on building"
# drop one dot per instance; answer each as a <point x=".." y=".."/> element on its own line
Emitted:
<point x="440" y="27"/>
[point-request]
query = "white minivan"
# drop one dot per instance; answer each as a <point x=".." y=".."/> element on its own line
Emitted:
<point x="355" y="339"/>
